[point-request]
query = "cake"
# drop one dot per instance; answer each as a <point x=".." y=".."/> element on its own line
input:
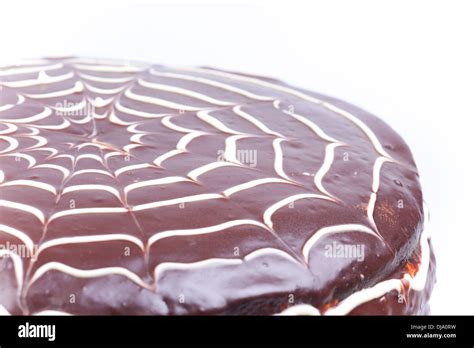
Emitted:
<point x="129" y="188"/>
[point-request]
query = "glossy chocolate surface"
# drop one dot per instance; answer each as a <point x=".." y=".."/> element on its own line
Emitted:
<point x="193" y="191"/>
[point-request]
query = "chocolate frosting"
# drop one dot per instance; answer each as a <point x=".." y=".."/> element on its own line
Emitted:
<point x="143" y="189"/>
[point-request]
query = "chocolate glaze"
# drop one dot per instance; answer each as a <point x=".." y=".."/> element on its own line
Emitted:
<point x="410" y="302"/>
<point x="126" y="127"/>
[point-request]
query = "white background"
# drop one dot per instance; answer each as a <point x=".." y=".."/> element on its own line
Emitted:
<point x="410" y="62"/>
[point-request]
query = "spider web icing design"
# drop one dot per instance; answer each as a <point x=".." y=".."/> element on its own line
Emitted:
<point x="98" y="155"/>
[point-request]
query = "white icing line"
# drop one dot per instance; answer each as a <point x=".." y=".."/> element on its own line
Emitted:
<point x="133" y="129"/>
<point x="371" y="208"/>
<point x="30" y="159"/>
<point x="88" y="273"/>
<point x="376" y="172"/>
<point x="334" y="229"/>
<point x="154" y="182"/>
<point x="65" y="124"/>
<point x="63" y="170"/>
<point x="183" y="91"/>
<point x="328" y="160"/>
<point x="204" y="115"/>
<point x="375" y="186"/>
<point x="364" y="296"/>
<point x="269" y="251"/>
<point x="97" y="145"/>
<point x="176" y="266"/>
<point x="195" y="173"/>
<point x="105" y="79"/>
<point x="78" y="87"/>
<point x="93" y="187"/>
<point x="6" y="107"/>
<point x="20" y="235"/>
<point x="11" y="128"/>
<point x="33" y="130"/>
<point x="254" y="81"/>
<point x="90" y="239"/>
<point x="13" y="143"/>
<point x="91" y="171"/>
<point x="113" y="154"/>
<point x="109" y="68"/>
<point x="52" y="152"/>
<point x="43" y="114"/>
<point x="370" y="134"/>
<point x="136" y="138"/>
<point x="187" y="199"/>
<point x="213" y="83"/>
<point x="122" y="170"/>
<point x="204" y="230"/>
<point x="160" y="102"/>
<point x="6" y="64"/>
<point x="104" y="90"/>
<point x="186" y="139"/>
<point x="41" y="141"/>
<point x="69" y="157"/>
<point x="42" y="79"/>
<point x="30" y="69"/>
<point x="23" y="207"/>
<point x="230" y="153"/>
<point x="160" y="159"/>
<point x="166" y="266"/>
<point x="129" y="147"/>
<point x="30" y="183"/>
<point x="278" y="164"/>
<point x="99" y="102"/>
<point x="300" y="309"/>
<point x="89" y="156"/>
<point x="84" y="120"/>
<point x="137" y="113"/>
<point x="166" y="121"/>
<point x="80" y="211"/>
<point x="267" y="215"/>
<point x="51" y="312"/>
<point x="313" y="126"/>
<point x="253" y="183"/>
<point x="260" y="125"/>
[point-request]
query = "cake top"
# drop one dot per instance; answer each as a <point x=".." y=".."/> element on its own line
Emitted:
<point x="204" y="187"/>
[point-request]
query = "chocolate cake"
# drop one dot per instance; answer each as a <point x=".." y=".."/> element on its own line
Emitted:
<point x="133" y="188"/>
